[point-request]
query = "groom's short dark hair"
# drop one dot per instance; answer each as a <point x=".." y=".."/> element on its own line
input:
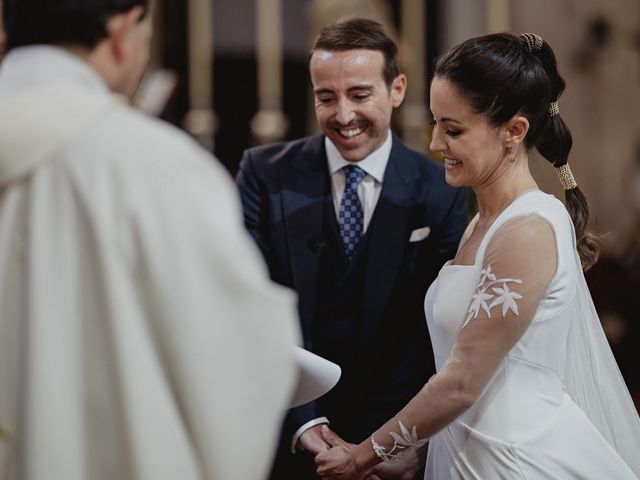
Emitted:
<point x="361" y="34"/>
<point x="61" y="22"/>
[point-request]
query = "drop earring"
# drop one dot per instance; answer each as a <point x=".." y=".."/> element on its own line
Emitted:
<point x="511" y="157"/>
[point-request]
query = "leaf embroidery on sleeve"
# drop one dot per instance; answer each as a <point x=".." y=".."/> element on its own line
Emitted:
<point x="507" y="298"/>
<point x="488" y="291"/>
<point x="404" y="442"/>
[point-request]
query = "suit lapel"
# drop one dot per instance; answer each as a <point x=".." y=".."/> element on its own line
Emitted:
<point x="390" y="228"/>
<point x="303" y="198"/>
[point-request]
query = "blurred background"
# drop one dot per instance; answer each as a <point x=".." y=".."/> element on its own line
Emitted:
<point x="233" y="73"/>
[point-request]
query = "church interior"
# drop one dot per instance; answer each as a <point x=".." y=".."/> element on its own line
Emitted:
<point x="233" y="73"/>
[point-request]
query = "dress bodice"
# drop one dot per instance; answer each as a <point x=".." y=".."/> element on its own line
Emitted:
<point x="446" y="305"/>
<point x="528" y="379"/>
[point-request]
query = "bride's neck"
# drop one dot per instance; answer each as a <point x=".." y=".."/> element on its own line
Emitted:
<point x="494" y="197"/>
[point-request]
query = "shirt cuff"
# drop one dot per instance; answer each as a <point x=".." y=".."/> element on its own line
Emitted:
<point x="304" y="428"/>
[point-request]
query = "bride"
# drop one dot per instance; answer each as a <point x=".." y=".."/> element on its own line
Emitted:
<point x="527" y="386"/>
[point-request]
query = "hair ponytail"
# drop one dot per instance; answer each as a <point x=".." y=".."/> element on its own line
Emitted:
<point x="554" y="144"/>
<point x="587" y="243"/>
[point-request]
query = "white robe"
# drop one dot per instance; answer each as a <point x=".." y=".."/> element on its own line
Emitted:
<point x="140" y="337"/>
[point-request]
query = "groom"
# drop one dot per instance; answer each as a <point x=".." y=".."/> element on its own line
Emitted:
<point x="358" y="225"/>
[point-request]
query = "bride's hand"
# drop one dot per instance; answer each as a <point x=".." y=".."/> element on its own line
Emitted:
<point x="339" y="462"/>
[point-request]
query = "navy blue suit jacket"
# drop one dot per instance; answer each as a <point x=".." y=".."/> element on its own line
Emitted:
<point x="283" y="189"/>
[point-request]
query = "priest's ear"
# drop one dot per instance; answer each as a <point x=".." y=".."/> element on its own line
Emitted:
<point x="121" y="32"/>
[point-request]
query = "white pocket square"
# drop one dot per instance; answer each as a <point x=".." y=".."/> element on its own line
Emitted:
<point x="419" y="234"/>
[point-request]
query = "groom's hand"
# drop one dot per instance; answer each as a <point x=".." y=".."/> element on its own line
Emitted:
<point x="312" y="441"/>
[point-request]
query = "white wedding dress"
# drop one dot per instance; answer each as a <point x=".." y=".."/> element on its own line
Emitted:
<point x="545" y="414"/>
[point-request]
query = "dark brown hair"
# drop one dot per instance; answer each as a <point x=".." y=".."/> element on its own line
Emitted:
<point x="361" y="33"/>
<point x="75" y="22"/>
<point x="501" y="76"/>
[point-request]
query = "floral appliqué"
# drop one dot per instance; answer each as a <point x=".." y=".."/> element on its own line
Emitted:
<point x="489" y="290"/>
<point x="403" y="443"/>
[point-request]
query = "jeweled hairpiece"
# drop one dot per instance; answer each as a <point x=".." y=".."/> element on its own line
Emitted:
<point x="566" y="177"/>
<point x="534" y="42"/>
<point x="553" y="109"/>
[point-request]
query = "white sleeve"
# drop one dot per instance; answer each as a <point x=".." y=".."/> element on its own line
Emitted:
<point x="304" y="428"/>
<point x="223" y="331"/>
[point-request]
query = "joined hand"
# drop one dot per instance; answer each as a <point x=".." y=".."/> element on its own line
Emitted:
<point x="337" y="463"/>
<point x="311" y="440"/>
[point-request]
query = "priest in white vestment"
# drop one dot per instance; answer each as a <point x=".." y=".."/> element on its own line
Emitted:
<point x="140" y="337"/>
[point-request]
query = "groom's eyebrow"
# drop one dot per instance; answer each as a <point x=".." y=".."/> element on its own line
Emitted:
<point x="360" y="88"/>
